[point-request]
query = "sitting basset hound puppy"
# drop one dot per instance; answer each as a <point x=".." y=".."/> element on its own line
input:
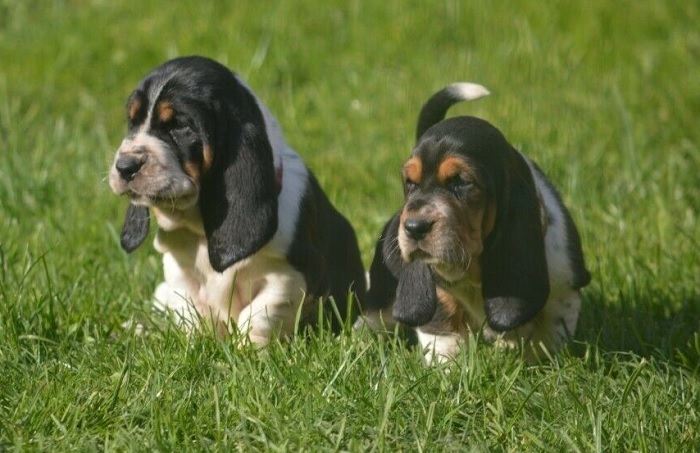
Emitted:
<point x="247" y="235"/>
<point x="483" y="241"/>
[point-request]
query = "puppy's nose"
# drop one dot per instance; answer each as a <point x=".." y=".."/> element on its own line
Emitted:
<point x="417" y="228"/>
<point x="128" y="165"/>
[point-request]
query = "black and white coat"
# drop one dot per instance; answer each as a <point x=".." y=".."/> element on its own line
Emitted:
<point x="247" y="235"/>
<point x="483" y="242"/>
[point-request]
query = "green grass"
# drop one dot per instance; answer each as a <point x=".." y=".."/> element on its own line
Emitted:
<point x="604" y="95"/>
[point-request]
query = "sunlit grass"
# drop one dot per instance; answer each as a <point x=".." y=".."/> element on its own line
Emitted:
<point x="603" y="95"/>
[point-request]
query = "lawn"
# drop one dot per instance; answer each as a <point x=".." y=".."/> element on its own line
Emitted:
<point x="604" y="95"/>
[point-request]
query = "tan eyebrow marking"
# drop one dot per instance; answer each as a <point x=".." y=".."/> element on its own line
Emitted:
<point x="165" y="111"/>
<point x="413" y="170"/>
<point x="451" y="167"/>
<point x="134" y="108"/>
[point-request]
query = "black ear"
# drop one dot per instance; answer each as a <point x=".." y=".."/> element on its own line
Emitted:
<point x="135" y="227"/>
<point x="411" y="287"/>
<point x="515" y="281"/>
<point x="385" y="269"/>
<point x="416" y="295"/>
<point x="238" y="198"/>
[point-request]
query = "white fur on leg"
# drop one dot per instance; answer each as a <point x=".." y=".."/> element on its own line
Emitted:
<point x="167" y="300"/>
<point x="178" y="292"/>
<point x="439" y="348"/>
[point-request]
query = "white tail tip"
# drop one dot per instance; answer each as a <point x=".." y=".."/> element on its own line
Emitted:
<point x="467" y="91"/>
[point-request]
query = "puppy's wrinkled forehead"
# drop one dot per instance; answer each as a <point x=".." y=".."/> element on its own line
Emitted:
<point x="439" y="160"/>
<point x="178" y="85"/>
<point x="149" y="108"/>
<point x="460" y="144"/>
<point x="465" y="135"/>
<point x="435" y="158"/>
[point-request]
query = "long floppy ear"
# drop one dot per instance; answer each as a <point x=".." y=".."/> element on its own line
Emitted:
<point x="416" y="295"/>
<point x="515" y="281"/>
<point x="411" y="287"/>
<point x="238" y="198"/>
<point x="385" y="269"/>
<point x="135" y="227"/>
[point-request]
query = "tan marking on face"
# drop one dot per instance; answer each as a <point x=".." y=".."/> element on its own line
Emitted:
<point x="473" y="226"/>
<point x="165" y="111"/>
<point x="192" y="170"/>
<point x="207" y="158"/>
<point x="455" y="242"/>
<point x="452" y="166"/>
<point x="134" y="108"/>
<point x="413" y="170"/>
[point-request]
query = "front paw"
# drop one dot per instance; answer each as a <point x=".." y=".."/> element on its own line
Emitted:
<point x="176" y="302"/>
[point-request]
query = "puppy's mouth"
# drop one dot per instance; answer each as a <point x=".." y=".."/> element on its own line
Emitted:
<point x="170" y="193"/>
<point x="451" y="266"/>
<point x="163" y="200"/>
<point x="416" y="250"/>
<point x="147" y="170"/>
<point x="419" y="254"/>
<point x="167" y="198"/>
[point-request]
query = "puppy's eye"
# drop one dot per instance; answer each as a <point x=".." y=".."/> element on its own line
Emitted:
<point x="180" y="128"/>
<point x="409" y="185"/>
<point x="459" y="186"/>
<point x="184" y="137"/>
<point x="181" y="134"/>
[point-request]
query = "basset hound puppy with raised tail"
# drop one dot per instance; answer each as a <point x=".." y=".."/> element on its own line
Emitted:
<point x="483" y="242"/>
<point x="249" y="239"/>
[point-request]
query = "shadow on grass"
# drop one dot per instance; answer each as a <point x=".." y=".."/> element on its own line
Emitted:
<point x="652" y="323"/>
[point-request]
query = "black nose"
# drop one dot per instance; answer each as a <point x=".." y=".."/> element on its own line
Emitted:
<point x="129" y="165"/>
<point x="417" y="228"/>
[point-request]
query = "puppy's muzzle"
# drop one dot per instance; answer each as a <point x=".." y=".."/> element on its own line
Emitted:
<point x="417" y="228"/>
<point x="128" y="165"/>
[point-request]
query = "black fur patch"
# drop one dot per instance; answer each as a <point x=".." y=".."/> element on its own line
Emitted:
<point x="135" y="227"/>
<point x="325" y="250"/>
<point x="416" y="295"/>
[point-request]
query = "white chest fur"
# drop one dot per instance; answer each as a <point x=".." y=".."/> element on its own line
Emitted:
<point x="259" y="294"/>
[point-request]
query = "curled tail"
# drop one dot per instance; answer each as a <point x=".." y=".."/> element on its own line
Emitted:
<point x="435" y="109"/>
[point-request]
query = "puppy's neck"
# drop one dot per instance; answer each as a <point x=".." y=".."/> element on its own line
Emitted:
<point x="189" y="218"/>
<point x="452" y="276"/>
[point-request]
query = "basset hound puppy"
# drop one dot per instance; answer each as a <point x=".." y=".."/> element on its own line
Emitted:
<point x="482" y="243"/>
<point x="249" y="239"/>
